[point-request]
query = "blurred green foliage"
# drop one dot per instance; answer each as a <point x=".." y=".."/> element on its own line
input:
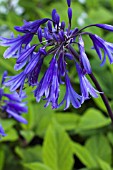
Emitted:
<point x="60" y="140"/>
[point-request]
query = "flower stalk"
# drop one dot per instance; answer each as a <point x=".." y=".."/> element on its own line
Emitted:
<point x="103" y="96"/>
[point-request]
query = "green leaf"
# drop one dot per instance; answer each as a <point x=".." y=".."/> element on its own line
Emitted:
<point x="67" y="120"/>
<point x="7" y="123"/>
<point x="105" y="80"/>
<point x="92" y="119"/>
<point x="30" y="154"/>
<point x="5" y="64"/>
<point x="92" y="4"/>
<point x="98" y="16"/>
<point x="28" y="135"/>
<point x="103" y="165"/>
<point x="12" y="20"/>
<point x="110" y="137"/>
<point x="2" y="158"/>
<point x="84" y="155"/>
<point x="37" y="166"/>
<point x="94" y="146"/>
<point x="100" y="104"/>
<point x="90" y="169"/>
<point x="57" y="148"/>
<point x="11" y="136"/>
<point x="43" y="13"/>
<point x="11" y="161"/>
<point x="43" y="116"/>
<point x="30" y="116"/>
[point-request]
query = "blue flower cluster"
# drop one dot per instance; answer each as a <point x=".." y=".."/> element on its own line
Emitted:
<point x="11" y="105"/>
<point x="56" y="40"/>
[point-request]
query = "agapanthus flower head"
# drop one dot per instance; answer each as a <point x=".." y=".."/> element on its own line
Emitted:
<point x="55" y="40"/>
<point x="11" y="105"/>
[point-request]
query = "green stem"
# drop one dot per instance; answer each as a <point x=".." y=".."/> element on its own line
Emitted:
<point x="104" y="98"/>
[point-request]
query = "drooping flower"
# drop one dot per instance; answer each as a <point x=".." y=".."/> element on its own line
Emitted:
<point x="100" y="44"/>
<point x="15" y="44"/>
<point x="49" y="85"/>
<point x="57" y="41"/>
<point x="14" y="106"/>
<point x="83" y="57"/>
<point x="71" y="96"/>
<point x="11" y="105"/>
<point x="31" y="26"/>
<point x="16" y="82"/>
<point x="85" y="85"/>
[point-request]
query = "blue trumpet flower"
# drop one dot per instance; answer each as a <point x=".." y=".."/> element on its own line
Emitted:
<point x="11" y="105"/>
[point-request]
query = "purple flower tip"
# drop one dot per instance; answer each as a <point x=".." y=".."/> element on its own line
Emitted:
<point x="49" y="26"/>
<point x="62" y="25"/>
<point x="69" y="14"/>
<point x="84" y="59"/>
<point x="4" y="77"/>
<point x="105" y="26"/>
<point x="69" y="3"/>
<point x="40" y="34"/>
<point x="57" y="19"/>
<point x="2" y="133"/>
<point x="53" y="14"/>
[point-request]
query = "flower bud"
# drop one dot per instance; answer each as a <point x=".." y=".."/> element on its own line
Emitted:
<point x="62" y="25"/>
<point x="53" y="14"/>
<point x="40" y="34"/>
<point x="68" y="3"/>
<point x="69" y="14"/>
<point x="49" y="24"/>
<point x="57" y="19"/>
